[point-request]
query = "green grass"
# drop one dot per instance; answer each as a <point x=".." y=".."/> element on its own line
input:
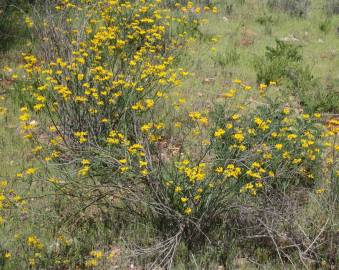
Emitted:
<point x="241" y="32"/>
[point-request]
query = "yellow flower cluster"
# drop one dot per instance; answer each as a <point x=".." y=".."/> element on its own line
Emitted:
<point x="262" y="124"/>
<point x="189" y="188"/>
<point x="193" y="173"/>
<point x="34" y="242"/>
<point x="251" y="188"/>
<point x="85" y="167"/>
<point x="198" y="117"/>
<point x="115" y="137"/>
<point x="232" y="171"/>
<point x="152" y="130"/>
<point x="100" y="256"/>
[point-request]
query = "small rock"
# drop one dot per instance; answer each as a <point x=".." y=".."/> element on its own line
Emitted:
<point x="290" y="38"/>
<point x="240" y="262"/>
<point x="246" y="42"/>
<point x="208" y="80"/>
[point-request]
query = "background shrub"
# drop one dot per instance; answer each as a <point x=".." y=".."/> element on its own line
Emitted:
<point x="332" y="7"/>
<point x="284" y="64"/>
<point x="12" y="28"/>
<point x="281" y="62"/>
<point x="226" y="57"/>
<point x="294" y="7"/>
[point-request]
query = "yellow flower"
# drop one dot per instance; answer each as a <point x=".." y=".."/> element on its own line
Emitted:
<point x="203" y="120"/>
<point x="29" y="22"/>
<point x="84" y="171"/>
<point x="81" y="135"/>
<point x="184" y="199"/>
<point x="91" y="263"/>
<point x="194" y="115"/>
<point x="239" y="137"/>
<point x="296" y="161"/>
<point x="33" y="241"/>
<point x="231" y="93"/>
<point x="274" y="134"/>
<point x="263" y="125"/>
<point x="320" y="190"/>
<point x="31" y="171"/>
<point x="185" y="162"/>
<point x="229" y="126"/>
<point x="188" y="211"/>
<point x="232" y="171"/>
<point x="219" y="170"/>
<point x="255" y="165"/>
<point x="259" y="185"/>
<point x="219" y="132"/>
<point x="197" y="197"/>
<point x="251" y="131"/>
<point x="123" y="161"/>
<point x="262" y="86"/>
<point x="235" y="116"/>
<point x="3" y="183"/>
<point x="81" y="77"/>
<point x="178" y="189"/>
<point x="85" y="162"/>
<point x="149" y="103"/>
<point x="253" y="174"/>
<point x="23" y="109"/>
<point x="279" y="146"/>
<point x="177" y="125"/>
<point x="38" y="107"/>
<point x="37" y="149"/>
<point x="97" y="253"/>
<point x="52" y="128"/>
<point x="286" y="155"/>
<point x="182" y="100"/>
<point x="267" y="156"/>
<point x="124" y="169"/>
<point x="242" y="147"/>
<point x="134" y="148"/>
<point x="137" y="106"/>
<point x="286" y="110"/>
<point x="24" y="117"/>
<point x="292" y="136"/>
<point x="82" y="140"/>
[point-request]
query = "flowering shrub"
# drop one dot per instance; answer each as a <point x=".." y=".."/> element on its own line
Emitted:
<point x="114" y="74"/>
<point x="271" y="147"/>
